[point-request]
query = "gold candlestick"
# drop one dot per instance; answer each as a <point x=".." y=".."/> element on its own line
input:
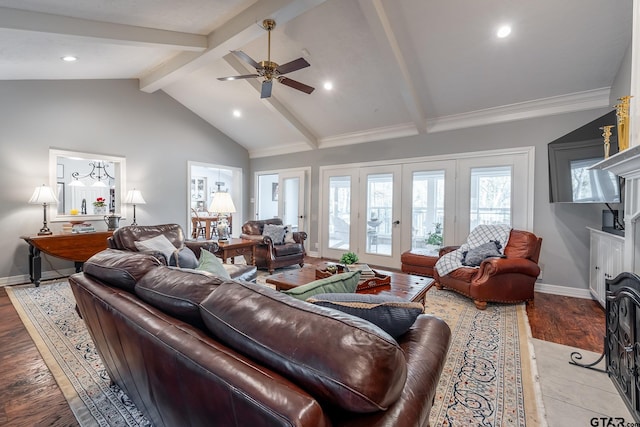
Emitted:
<point x="622" y="113"/>
<point x="607" y="135"/>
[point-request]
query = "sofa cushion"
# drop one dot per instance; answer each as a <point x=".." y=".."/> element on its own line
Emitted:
<point x="288" y="234"/>
<point x="393" y="315"/>
<point x="120" y="268"/>
<point x="183" y="258"/>
<point x="157" y="244"/>
<point x="212" y="264"/>
<point x="288" y="249"/>
<point x="343" y="283"/>
<point x="177" y="292"/>
<point x="275" y="232"/>
<point x="356" y="366"/>
<point x="474" y="256"/>
<point x="125" y="237"/>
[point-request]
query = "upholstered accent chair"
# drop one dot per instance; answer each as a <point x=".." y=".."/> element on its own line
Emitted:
<point x="507" y="280"/>
<point x="269" y="254"/>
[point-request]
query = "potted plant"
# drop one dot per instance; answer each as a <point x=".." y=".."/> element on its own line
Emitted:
<point x="100" y="206"/>
<point x="349" y="258"/>
<point x="435" y="237"/>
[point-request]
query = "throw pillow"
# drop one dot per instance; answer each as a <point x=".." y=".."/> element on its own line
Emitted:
<point x="393" y="315"/>
<point x="183" y="258"/>
<point x="288" y="234"/>
<point x="211" y="263"/>
<point x="275" y="232"/>
<point x="343" y="283"/>
<point x="474" y="256"/>
<point x="157" y="244"/>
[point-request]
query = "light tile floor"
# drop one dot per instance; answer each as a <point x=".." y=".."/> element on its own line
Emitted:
<point x="573" y="395"/>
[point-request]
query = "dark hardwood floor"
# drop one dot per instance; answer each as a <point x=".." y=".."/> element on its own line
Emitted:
<point x="31" y="397"/>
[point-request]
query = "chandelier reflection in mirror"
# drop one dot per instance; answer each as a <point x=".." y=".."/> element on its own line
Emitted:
<point x="99" y="173"/>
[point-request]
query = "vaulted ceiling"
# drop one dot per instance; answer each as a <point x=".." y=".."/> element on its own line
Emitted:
<point x="398" y="67"/>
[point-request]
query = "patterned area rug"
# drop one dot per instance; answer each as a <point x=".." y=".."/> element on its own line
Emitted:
<point x="48" y="312"/>
<point x="488" y="378"/>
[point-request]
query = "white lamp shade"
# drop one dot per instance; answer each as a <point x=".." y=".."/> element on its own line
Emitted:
<point x="222" y="203"/>
<point x="134" y="197"/>
<point x="43" y="194"/>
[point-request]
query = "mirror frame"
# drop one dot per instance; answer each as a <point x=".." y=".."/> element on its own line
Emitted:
<point x="120" y="180"/>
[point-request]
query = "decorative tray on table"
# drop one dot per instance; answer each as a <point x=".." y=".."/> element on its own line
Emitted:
<point x="369" y="278"/>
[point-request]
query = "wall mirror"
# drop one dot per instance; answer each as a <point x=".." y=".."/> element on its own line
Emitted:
<point x="81" y="180"/>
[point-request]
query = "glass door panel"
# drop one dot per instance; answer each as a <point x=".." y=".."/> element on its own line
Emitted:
<point x="339" y="212"/>
<point x="427" y="210"/>
<point x="490" y="200"/>
<point x="379" y="215"/>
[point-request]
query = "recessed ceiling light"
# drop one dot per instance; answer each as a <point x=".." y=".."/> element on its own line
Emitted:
<point x="69" y="58"/>
<point x="503" y="31"/>
<point x="237" y="113"/>
<point x="328" y="85"/>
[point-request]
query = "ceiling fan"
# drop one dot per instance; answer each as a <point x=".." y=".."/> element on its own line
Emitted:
<point x="271" y="71"/>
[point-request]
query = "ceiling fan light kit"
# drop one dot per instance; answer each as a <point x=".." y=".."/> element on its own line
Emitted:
<point x="269" y="70"/>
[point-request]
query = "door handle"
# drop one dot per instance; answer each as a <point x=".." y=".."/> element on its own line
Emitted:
<point x="396" y="222"/>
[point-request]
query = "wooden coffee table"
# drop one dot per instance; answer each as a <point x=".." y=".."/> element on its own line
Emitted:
<point x="403" y="285"/>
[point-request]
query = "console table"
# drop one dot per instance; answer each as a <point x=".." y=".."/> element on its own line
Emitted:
<point x="72" y="247"/>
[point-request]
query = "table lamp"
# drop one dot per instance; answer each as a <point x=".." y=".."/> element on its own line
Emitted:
<point x="222" y="205"/>
<point x="43" y="195"/>
<point x="134" y="197"/>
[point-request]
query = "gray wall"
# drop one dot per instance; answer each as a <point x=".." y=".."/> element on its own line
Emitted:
<point x="565" y="248"/>
<point x="155" y="134"/>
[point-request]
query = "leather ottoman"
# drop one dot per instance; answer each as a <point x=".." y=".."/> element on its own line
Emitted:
<point x="419" y="261"/>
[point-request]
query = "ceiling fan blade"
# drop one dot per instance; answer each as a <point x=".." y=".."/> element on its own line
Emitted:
<point x="294" y="65"/>
<point x="267" y="85"/>
<point x="246" y="58"/>
<point x="245" y="76"/>
<point x="296" y="85"/>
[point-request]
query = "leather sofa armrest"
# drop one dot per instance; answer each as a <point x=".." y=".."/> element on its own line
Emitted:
<point x="255" y="237"/>
<point x="197" y="245"/>
<point x="495" y="266"/>
<point x="447" y="249"/>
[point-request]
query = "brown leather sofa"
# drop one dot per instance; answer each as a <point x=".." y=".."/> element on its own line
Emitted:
<point x="192" y="350"/>
<point x="124" y="238"/>
<point x="269" y="254"/>
<point x="507" y="280"/>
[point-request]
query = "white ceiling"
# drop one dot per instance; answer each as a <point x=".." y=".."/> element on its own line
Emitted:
<point x="398" y="67"/>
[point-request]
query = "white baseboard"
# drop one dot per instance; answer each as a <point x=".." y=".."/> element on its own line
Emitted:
<point x="314" y="254"/>
<point x="563" y="290"/>
<point x="46" y="275"/>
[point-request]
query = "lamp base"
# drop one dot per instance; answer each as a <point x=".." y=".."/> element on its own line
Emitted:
<point x="44" y="232"/>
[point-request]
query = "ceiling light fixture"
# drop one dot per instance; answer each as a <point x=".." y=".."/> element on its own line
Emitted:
<point x="69" y="58"/>
<point x="237" y="113"/>
<point x="328" y="85"/>
<point x="503" y="31"/>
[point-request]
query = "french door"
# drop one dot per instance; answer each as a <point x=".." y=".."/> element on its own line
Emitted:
<point x="363" y="214"/>
<point x="379" y="211"/>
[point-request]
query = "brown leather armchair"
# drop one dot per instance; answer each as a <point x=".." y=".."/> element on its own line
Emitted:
<point x="270" y="255"/>
<point x="508" y="280"/>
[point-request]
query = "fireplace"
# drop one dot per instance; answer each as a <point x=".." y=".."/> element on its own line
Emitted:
<point x="622" y="349"/>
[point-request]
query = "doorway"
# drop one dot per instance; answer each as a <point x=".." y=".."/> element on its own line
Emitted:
<point x="283" y="194"/>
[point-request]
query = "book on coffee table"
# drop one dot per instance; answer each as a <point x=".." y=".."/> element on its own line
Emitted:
<point x="365" y="271"/>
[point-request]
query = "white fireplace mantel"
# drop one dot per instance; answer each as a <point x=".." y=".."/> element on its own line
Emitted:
<point x="625" y="164"/>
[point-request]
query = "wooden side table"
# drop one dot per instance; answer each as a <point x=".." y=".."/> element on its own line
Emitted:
<point x="235" y="247"/>
<point x="72" y="247"/>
